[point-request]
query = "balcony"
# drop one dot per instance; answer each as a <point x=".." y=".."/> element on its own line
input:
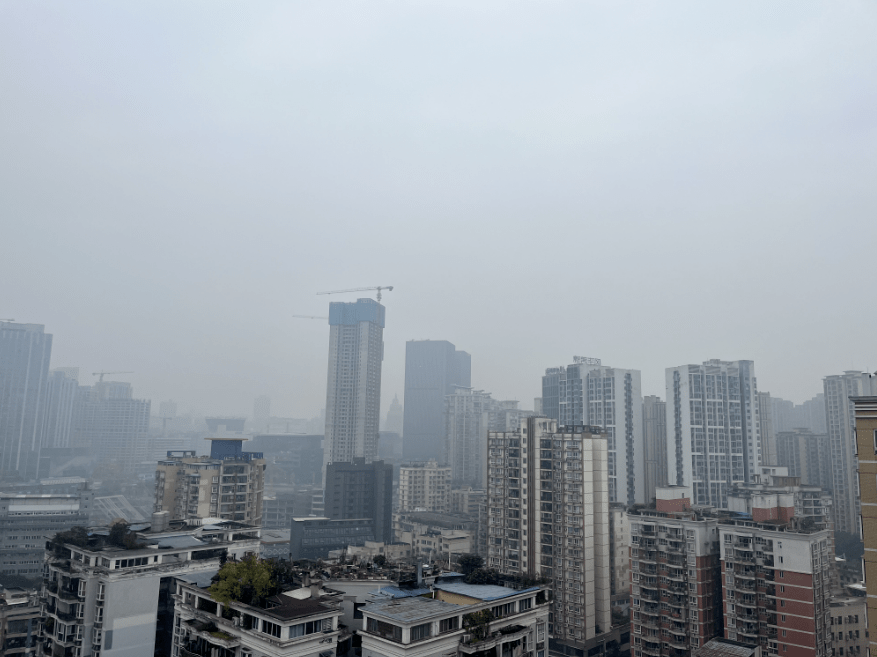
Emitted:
<point x="501" y="639"/>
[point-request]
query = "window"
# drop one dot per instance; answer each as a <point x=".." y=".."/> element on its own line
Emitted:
<point x="783" y="616"/>
<point x="419" y="632"/>
<point x="272" y="629"/>
<point x="386" y="630"/>
<point x="525" y="604"/>
<point x="449" y="624"/>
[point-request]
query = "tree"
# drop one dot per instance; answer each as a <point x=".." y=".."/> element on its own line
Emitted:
<point x="77" y="536"/>
<point x="380" y="561"/>
<point x="482" y="576"/>
<point x="121" y="536"/>
<point x="478" y="624"/>
<point x="469" y="563"/>
<point x="248" y="581"/>
<point x="848" y="545"/>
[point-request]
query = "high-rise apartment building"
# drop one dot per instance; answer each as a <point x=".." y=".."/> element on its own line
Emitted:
<point x="713" y="433"/>
<point x="787" y="416"/>
<point x="806" y="455"/>
<point x="425" y="487"/>
<point x="865" y="409"/>
<point x="111" y="424"/>
<point x="361" y="490"/>
<point x="776" y="579"/>
<point x="674" y="576"/>
<point x="25" y="350"/>
<point x="766" y="429"/>
<point x="654" y="444"/>
<point x="433" y="368"/>
<point x="588" y="393"/>
<point x="548" y="501"/>
<point x="62" y="391"/>
<point x="469" y="416"/>
<point x="839" y="414"/>
<point x="353" y="389"/>
<point x="228" y="484"/>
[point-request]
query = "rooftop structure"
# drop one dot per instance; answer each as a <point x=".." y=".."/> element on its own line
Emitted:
<point x="296" y="623"/>
<point x="720" y="647"/>
<point x="103" y="597"/>
<point x="461" y="619"/>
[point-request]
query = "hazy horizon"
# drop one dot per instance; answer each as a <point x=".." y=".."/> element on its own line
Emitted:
<point x="649" y="184"/>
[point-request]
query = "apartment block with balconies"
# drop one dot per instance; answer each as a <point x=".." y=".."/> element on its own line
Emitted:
<point x="674" y="576"/>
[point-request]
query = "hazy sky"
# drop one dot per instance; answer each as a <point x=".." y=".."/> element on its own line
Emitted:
<point x="651" y="183"/>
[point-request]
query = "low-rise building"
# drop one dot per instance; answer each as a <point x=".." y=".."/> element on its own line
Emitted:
<point x="20" y="620"/>
<point x="297" y="623"/>
<point x="104" y="598"/>
<point x="392" y="552"/>
<point x="461" y="619"/>
<point x="314" y="538"/>
<point x="849" y="626"/>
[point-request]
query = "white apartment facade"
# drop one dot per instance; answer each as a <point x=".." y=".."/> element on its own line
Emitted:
<point x="548" y="500"/>
<point x="713" y="432"/>
<point x="425" y="487"/>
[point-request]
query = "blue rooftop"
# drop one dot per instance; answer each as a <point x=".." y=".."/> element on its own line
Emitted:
<point x="395" y="592"/>
<point x="485" y="592"/>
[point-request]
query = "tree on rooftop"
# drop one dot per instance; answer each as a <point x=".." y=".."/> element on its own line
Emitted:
<point x="469" y="563"/>
<point x="380" y="561"/>
<point x="248" y="581"/>
<point x="482" y="576"/>
<point x="77" y="536"/>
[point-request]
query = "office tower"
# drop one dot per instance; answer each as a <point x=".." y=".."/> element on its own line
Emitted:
<point x="25" y="350"/>
<point x="469" y="416"/>
<point x="228" y="484"/>
<point x="425" y="487"/>
<point x="776" y="575"/>
<point x="111" y="597"/>
<point x="865" y="409"/>
<point x="395" y="417"/>
<point x="111" y="424"/>
<point x="766" y="429"/>
<point x="654" y="444"/>
<point x="675" y="585"/>
<point x="353" y="388"/>
<point x="433" y="368"/>
<point x="548" y="500"/>
<point x="361" y="490"/>
<point x="60" y="400"/>
<point x="713" y="434"/>
<point x="27" y="517"/>
<point x="806" y="455"/>
<point x="842" y="442"/>
<point x="589" y="393"/>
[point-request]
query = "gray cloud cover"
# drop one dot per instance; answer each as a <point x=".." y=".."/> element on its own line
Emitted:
<point x="650" y="183"/>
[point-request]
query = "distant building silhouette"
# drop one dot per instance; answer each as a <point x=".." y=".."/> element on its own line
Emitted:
<point x="395" y="417"/>
<point x="654" y="444"/>
<point x="433" y="368"/>
<point x="25" y="350"/>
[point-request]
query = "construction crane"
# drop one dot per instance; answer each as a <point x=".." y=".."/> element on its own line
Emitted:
<point x="101" y="374"/>
<point x="388" y="288"/>
<point x="309" y="317"/>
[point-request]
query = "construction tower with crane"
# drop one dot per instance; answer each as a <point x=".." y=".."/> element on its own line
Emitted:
<point x="353" y="387"/>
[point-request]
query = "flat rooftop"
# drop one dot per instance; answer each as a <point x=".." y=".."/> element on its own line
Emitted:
<point x="484" y="592"/>
<point x="410" y="610"/>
